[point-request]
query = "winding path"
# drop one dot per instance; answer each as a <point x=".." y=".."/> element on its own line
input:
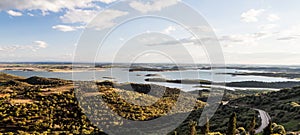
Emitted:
<point x="265" y="118"/>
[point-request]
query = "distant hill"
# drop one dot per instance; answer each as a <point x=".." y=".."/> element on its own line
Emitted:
<point x="44" y="81"/>
<point x="5" y="77"/>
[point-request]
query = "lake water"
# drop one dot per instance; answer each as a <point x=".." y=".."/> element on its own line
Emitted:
<point x="122" y="75"/>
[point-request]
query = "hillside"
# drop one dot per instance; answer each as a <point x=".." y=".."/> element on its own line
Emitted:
<point x="49" y="106"/>
<point x="283" y="106"/>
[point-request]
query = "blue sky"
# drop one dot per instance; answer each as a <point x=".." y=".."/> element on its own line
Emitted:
<point x="249" y="31"/>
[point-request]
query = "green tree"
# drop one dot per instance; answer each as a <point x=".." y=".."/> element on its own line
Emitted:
<point x="252" y="126"/>
<point x="231" y="130"/>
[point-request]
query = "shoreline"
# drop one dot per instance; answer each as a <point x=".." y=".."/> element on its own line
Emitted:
<point x="241" y="84"/>
<point x="67" y="68"/>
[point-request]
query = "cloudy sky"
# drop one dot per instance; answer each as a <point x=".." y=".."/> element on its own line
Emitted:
<point x="249" y="31"/>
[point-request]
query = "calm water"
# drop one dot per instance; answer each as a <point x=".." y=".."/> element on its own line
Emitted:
<point x="122" y="75"/>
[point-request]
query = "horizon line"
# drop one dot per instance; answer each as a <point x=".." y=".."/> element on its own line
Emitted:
<point x="69" y="62"/>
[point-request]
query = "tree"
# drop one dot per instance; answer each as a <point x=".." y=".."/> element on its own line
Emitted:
<point x="268" y="129"/>
<point x="242" y="131"/>
<point x="279" y="129"/>
<point x="193" y="125"/>
<point x="231" y="130"/>
<point x="252" y="126"/>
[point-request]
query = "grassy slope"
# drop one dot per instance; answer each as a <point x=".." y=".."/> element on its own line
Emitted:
<point x="283" y="106"/>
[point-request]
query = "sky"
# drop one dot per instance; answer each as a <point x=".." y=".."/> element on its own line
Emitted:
<point x="248" y="31"/>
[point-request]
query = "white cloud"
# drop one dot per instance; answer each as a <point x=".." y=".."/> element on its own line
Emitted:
<point x="203" y="28"/>
<point x="43" y="5"/>
<point x="36" y="45"/>
<point x="169" y="30"/>
<point x="86" y="16"/>
<point x="75" y="11"/>
<point x="10" y="48"/>
<point x="244" y="39"/>
<point x="288" y="38"/>
<point x="291" y="33"/>
<point x="67" y="56"/>
<point x="155" y="5"/>
<point x="182" y="41"/>
<point x="66" y="28"/>
<point x="63" y="28"/>
<point x="266" y="57"/>
<point x="14" y="13"/>
<point x="40" y="44"/>
<point x="30" y="14"/>
<point x="238" y="38"/>
<point x="46" y="6"/>
<point x="251" y="15"/>
<point x="79" y="16"/>
<point x="107" y="1"/>
<point x="106" y="20"/>
<point x="273" y="18"/>
<point x="268" y="31"/>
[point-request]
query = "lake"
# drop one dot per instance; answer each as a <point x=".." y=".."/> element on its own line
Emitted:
<point x="122" y="75"/>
